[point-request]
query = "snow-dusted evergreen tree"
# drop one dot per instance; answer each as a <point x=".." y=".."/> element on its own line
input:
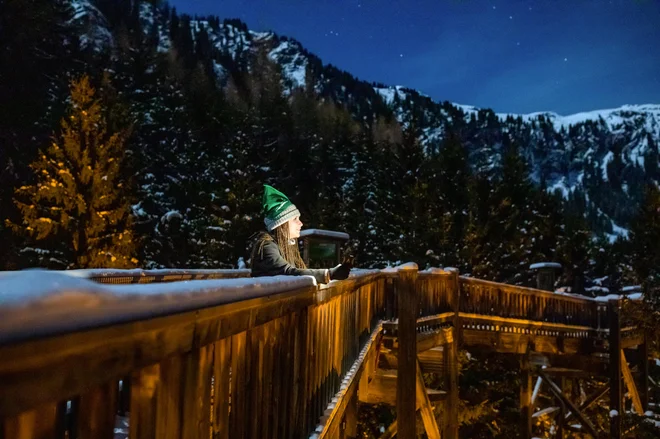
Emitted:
<point x="645" y="236"/>
<point x="37" y="53"/>
<point x="78" y="207"/>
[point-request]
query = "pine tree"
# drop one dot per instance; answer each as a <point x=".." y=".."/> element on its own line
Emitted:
<point x="451" y="199"/>
<point x="644" y="238"/>
<point x="78" y="204"/>
<point x="36" y="55"/>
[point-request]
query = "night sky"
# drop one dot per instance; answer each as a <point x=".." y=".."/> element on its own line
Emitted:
<point x="517" y="56"/>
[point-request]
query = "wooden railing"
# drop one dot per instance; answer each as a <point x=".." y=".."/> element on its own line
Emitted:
<point x="220" y="358"/>
<point x="208" y="360"/>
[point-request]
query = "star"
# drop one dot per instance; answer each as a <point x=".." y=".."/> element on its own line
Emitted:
<point x="401" y="55"/>
<point x="565" y="59"/>
<point x="510" y="17"/>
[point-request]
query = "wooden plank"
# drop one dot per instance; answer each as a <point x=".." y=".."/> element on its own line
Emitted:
<point x="302" y="377"/>
<point x="644" y="373"/>
<point x="526" y="406"/>
<point x="44" y="422"/>
<point x="97" y="412"/>
<point x="451" y="425"/>
<point x="197" y="393"/>
<point x="144" y="385"/>
<point x="424" y="405"/>
<point x="429" y="340"/>
<point x="267" y="392"/>
<point x="630" y="384"/>
<point x="221" y="383"/>
<point x="405" y="397"/>
<point x="382" y="389"/>
<point x="286" y="377"/>
<point x="255" y="386"/>
<point x="557" y="392"/>
<point x="238" y="415"/>
<point x="170" y="399"/>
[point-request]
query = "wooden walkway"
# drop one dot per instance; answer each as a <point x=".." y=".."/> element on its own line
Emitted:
<point x="294" y="360"/>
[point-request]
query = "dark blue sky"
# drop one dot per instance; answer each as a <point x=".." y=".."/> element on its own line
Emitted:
<point x="516" y="56"/>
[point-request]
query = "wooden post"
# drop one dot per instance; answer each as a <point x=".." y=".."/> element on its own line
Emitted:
<point x="407" y="360"/>
<point x="644" y="373"/>
<point x="450" y="357"/>
<point x="562" y="410"/>
<point x="455" y="302"/>
<point x="525" y="397"/>
<point x="390" y="302"/>
<point x="616" y="396"/>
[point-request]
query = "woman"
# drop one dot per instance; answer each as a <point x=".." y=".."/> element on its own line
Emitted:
<point x="276" y="251"/>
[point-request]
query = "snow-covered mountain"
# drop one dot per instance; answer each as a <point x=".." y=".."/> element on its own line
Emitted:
<point x="600" y="160"/>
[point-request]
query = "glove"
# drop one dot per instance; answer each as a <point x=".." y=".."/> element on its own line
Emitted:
<point x="340" y="272"/>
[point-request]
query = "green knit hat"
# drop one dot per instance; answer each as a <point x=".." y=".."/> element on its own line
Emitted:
<point x="278" y="209"/>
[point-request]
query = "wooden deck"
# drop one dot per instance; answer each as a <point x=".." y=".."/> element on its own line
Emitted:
<point x="294" y="363"/>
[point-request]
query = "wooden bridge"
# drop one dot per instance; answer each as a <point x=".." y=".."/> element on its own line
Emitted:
<point x="211" y="357"/>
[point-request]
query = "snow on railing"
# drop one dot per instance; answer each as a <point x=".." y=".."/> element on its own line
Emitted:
<point x="37" y="303"/>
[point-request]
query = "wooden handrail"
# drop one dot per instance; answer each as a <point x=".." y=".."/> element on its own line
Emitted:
<point x="284" y="353"/>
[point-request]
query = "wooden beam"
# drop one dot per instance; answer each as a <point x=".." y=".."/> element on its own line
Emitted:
<point x="382" y="389"/>
<point x="557" y="392"/>
<point x="562" y="410"/>
<point x="591" y="400"/>
<point x="616" y="394"/>
<point x="631" y="341"/>
<point x="450" y="426"/>
<point x="430" y="340"/>
<point x="526" y="405"/>
<point x="537" y="389"/>
<point x="390" y="432"/>
<point x="630" y="383"/>
<point x="424" y="405"/>
<point x="644" y="373"/>
<point x="407" y="360"/>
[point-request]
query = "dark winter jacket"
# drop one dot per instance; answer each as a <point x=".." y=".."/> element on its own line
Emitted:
<point x="270" y="262"/>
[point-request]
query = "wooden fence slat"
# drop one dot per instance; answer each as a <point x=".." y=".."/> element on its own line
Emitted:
<point x="45" y="422"/>
<point x="238" y="415"/>
<point x="197" y="393"/>
<point x="301" y="361"/>
<point x="170" y="398"/>
<point x="144" y="384"/>
<point x="267" y="405"/>
<point x="256" y="378"/>
<point x="221" y="389"/>
<point x="97" y="412"/>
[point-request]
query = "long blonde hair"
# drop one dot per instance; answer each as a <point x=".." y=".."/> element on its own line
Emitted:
<point x="280" y="235"/>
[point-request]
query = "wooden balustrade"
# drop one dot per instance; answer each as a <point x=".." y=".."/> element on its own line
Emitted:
<point x="265" y="366"/>
<point x="490" y="298"/>
<point x="214" y="365"/>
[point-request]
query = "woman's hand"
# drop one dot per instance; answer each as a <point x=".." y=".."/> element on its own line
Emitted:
<point x="341" y="271"/>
